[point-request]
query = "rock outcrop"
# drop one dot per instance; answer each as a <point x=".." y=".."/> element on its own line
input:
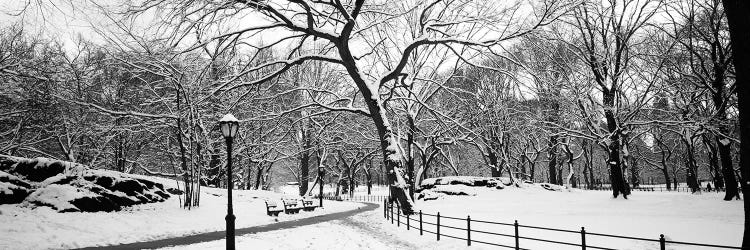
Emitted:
<point x="72" y="187"/>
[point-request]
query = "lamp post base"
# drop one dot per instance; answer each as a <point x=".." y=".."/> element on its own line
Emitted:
<point x="230" y="231"/>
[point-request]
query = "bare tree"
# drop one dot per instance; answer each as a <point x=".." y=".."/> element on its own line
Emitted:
<point x="739" y="30"/>
<point x="608" y="35"/>
<point x="341" y="25"/>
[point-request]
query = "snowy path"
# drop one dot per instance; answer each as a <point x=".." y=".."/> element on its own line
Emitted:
<point x="219" y="236"/>
<point x="366" y="230"/>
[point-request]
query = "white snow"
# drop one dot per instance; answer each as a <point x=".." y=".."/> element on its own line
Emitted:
<point x="57" y="195"/>
<point x="703" y="218"/>
<point x="8" y="176"/>
<point x="5" y="188"/>
<point x="228" y="118"/>
<point x="680" y="216"/>
<point x="43" y="227"/>
<point x="368" y="230"/>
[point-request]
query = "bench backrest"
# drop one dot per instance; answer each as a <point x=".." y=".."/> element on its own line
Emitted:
<point x="271" y="203"/>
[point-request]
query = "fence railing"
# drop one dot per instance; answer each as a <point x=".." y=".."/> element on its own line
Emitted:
<point x="438" y="224"/>
<point x="664" y="189"/>
<point x="357" y="198"/>
<point x="476" y="231"/>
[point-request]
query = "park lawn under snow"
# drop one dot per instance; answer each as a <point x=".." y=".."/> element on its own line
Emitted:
<point x="701" y="218"/>
<point x="43" y="228"/>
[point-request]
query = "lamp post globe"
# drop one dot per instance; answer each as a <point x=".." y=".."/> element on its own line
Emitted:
<point x="229" y="126"/>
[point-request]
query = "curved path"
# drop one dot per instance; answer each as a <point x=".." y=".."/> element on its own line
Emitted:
<point x="220" y="235"/>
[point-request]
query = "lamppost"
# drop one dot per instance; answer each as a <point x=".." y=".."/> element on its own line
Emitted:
<point x="229" y="126"/>
<point x="321" y="173"/>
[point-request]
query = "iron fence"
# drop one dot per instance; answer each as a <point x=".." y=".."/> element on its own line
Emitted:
<point x="390" y="212"/>
<point x="664" y="189"/>
<point x="436" y="224"/>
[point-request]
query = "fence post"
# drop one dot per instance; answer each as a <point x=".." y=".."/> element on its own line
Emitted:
<point x="398" y="216"/>
<point x="662" y="242"/>
<point x="420" y="222"/>
<point x="515" y="224"/>
<point x="391" y="205"/>
<point x="385" y="214"/>
<point x="438" y="226"/>
<point x="468" y="230"/>
<point x="583" y="238"/>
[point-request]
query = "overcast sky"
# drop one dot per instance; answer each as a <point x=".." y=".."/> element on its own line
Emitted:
<point x="63" y="21"/>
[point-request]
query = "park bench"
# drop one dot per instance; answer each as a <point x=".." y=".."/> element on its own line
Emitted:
<point x="307" y="205"/>
<point x="272" y="208"/>
<point x="290" y="206"/>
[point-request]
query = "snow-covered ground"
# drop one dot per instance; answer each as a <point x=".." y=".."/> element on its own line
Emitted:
<point x="703" y="218"/>
<point x="368" y="230"/>
<point x="44" y="228"/>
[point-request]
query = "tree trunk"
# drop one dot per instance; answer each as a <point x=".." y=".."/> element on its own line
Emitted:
<point x="723" y="143"/>
<point x="249" y="178"/>
<point x="213" y="171"/>
<point x="120" y="154"/>
<point x="350" y="180"/>
<point x="552" y="157"/>
<point x="410" y="154"/>
<point x="532" y="169"/>
<point x="739" y="31"/>
<point x="183" y="158"/>
<point x="393" y="160"/>
<point x="713" y="163"/>
<point x="304" y="169"/>
<point x="590" y="164"/>
<point x="338" y="185"/>
<point x="635" y="178"/>
<point x="613" y="161"/>
<point x="571" y="179"/>
<point x="266" y="182"/>
<point x="259" y="176"/>
<point x="588" y="176"/>
<point x="369" y="182"/>
<point x="494" y="170"/>
<point x="727" y="170"/>
<point x="522" y="166"/>
<point x="665" y="171"/>
<point x="368" y="176"/>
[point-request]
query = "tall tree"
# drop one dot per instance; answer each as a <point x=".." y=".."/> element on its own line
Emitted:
<point x="739" y="31"/>
<point x="340" y="25"/>
<point x="608" y="33"/>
